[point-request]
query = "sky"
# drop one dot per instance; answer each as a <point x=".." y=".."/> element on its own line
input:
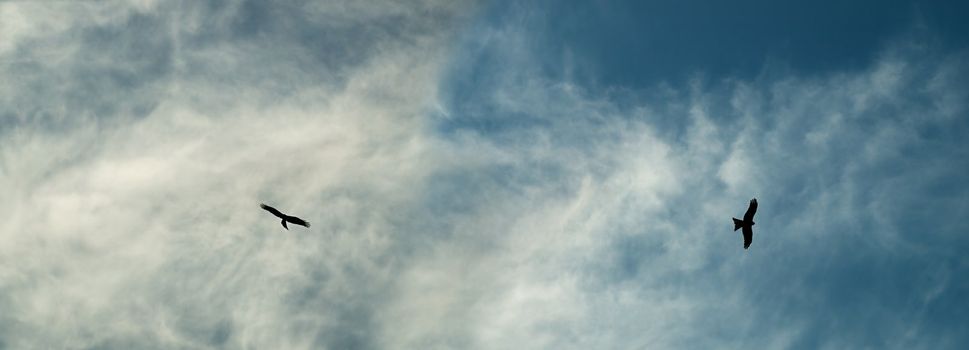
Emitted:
<point x="483" y="175"/>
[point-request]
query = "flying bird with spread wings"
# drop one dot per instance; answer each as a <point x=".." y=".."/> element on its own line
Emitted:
<point x="286" y="218"/>
<point x="747" y="223"/>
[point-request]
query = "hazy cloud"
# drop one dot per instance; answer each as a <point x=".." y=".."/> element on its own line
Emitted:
<point x="460" y="196"/>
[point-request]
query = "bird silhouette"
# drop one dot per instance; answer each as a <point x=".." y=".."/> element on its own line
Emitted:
<point x="747" y="223"/>
<point x="285" y="217"/>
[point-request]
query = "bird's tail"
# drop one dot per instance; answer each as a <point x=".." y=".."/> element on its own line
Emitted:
<point x="737" y="224"/>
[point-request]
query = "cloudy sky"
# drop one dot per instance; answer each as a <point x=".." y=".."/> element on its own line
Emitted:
<point x="483" y="175"/>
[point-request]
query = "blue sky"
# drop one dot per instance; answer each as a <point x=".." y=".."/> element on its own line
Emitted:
<point x="483" y="175"/>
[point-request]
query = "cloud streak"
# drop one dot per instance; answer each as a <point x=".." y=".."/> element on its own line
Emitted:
<point x="460" y="196"/>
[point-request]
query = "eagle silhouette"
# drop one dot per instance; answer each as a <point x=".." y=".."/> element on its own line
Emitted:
<point x="285" y="217"/>
<point x="747" y="223"/>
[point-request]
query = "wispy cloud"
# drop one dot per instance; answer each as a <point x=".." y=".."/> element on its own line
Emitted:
<point x="134" y="156"/>
<point x="460" y="196"/>
<point x="859" y="170"/>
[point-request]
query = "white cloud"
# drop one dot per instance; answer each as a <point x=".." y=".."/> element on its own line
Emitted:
<point x="144" y="231"/>
<point x="582" y="225"/>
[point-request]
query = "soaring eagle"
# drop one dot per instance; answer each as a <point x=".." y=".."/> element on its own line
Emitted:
<point x="285" y="217"/>
<point x="747" y="223"/>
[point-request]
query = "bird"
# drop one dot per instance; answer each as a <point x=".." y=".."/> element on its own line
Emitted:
<point x="747" y="223"/>
<point x="285" y="217"/>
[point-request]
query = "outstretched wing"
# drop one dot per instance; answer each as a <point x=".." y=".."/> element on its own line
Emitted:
<point x="751" y="210"/>
<point x="272" y="210"/>
<point x="297" y="221"/>
<point x="748" y="235"/>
